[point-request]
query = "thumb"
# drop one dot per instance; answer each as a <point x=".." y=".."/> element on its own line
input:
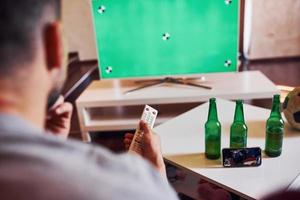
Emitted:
<point x="144" y="126"/>
<point x="147" y="136"/>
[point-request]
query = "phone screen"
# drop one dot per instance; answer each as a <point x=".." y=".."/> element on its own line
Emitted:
<point x="241" y="157"/>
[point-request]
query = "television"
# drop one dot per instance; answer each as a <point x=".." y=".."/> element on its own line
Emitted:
<point x="162" y="38"/>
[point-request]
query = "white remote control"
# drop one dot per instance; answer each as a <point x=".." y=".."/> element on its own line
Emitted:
<point x="149" y="116"/>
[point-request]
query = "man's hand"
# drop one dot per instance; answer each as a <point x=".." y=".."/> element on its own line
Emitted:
<point x="212" y="192"/>
<point x="151" y="150"/>
<point x="58" y="119"/>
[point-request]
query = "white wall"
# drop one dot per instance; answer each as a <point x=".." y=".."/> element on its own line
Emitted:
<point x="78" y="28"/>
<point x="272" y="28"/>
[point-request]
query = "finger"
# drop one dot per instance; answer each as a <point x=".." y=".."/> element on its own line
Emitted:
<point x="58" y="102"/>
<point x="144" y="126"/>
<point x="205" y="190"/>
<point x="147" y="137"/>
<point x="129" y="135"/>
<point x="221" y="194"/>
<point x="201" y="181"/>
<point x="65" y="108"/>
<point x="127" y="141"/>
<point x="127" y="146"/>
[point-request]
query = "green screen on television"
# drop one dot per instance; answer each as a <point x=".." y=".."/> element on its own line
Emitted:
<point x="141" y="38"/>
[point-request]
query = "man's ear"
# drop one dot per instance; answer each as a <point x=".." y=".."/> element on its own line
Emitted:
<point x="53" y="45"/>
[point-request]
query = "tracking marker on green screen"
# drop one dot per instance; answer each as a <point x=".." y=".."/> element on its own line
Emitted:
<point x="138" y="38"/>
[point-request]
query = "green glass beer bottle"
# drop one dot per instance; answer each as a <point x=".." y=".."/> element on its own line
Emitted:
<point x="274" y="130"/>
<point x="212" y="132"/>
<point x="238" y="129"/>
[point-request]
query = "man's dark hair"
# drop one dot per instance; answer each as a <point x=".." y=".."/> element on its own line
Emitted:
<point x="19" y="22"/>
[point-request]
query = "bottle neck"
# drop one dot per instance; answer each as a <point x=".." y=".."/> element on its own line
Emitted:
<point x="276" y="107"/>
<point x="239" y="112"/>
<point x="212" y="114"/>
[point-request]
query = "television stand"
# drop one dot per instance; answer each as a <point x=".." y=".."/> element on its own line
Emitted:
<point x="103" y="106"/>
<point x="180" y="81"/>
